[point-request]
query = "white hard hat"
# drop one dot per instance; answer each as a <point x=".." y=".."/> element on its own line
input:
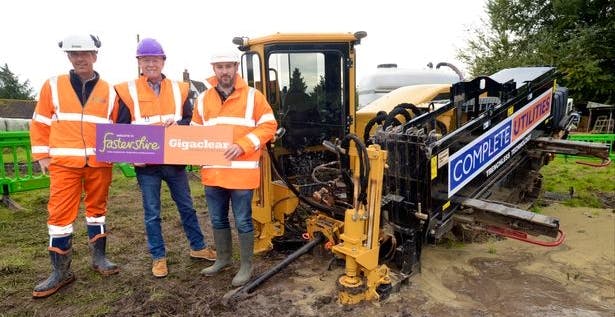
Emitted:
<point x="74" y="43"/>
<point x="224" y="57"/>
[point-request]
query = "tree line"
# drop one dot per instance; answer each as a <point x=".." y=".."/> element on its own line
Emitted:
<point x="12" y="88"/>
<point x="577" y="37"/>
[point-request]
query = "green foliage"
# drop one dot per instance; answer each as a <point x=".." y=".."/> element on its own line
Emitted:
<point x="453" y="244"/>
<point x="318" y="95"/>
<point x="297" y="83"/>
<point x="536" y="209"/>
<point x="11" y="88"/>
<point x="492" y="249"/>
<point x="575" y="36"/>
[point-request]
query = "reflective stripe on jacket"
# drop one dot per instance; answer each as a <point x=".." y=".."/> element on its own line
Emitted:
<point x="147" y="108"/>
<point x="253" y="122"/>
<point x="65" y="130"/>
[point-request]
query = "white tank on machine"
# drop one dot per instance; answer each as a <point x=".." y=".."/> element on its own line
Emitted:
<point x="388" y="77"/>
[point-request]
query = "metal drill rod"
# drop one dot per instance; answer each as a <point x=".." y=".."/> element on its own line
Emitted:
<point x="243" y="292"/>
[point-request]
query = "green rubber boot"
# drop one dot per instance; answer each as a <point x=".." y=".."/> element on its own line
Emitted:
<point x="246" y="251"/>
<point x="222" y="238"/>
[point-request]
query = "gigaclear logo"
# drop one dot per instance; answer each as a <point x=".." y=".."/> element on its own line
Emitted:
<point x="198" y="145"/>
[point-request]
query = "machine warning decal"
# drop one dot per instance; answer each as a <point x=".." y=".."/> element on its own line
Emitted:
<point x="446" y="205"/>
<point x="434" y="167"/>
<point x="442" y="158"/>
<point x="468" y="162"/>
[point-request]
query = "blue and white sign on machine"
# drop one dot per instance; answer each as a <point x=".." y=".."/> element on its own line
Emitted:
<point x="465" y="164"/>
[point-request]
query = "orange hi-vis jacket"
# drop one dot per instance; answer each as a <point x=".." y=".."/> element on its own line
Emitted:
<point x="253" y="122"/>
<point x="147" y="108"/>
<point x="63" y="129"/>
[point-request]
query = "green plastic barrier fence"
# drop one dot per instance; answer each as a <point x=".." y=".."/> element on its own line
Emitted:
<point x="608" y="139"/>
<point x="127" y="169"/>
<point x="16" y="167"/>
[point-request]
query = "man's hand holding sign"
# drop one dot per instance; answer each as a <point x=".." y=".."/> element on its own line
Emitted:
<point x="233" y="152"/>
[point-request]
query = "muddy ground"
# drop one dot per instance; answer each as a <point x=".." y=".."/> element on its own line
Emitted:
<point x="496" y="278"/>
<point x="493" y="278"/>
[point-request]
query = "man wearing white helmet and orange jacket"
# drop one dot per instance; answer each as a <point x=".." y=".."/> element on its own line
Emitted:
<point x="233" y="103"/>
<point x="62" y="134"/>
<point x="153" y="99"/>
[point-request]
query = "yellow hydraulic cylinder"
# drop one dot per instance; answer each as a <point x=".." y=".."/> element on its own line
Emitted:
<point x="359" y="242"/>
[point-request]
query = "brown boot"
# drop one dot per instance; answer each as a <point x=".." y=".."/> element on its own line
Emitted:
<point x="159" y="267"/>
<point x="207" y="253"/>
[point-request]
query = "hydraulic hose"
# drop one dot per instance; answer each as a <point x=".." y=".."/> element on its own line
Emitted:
<point x="311" y="203"/>
<point x="402" y="109"/>
<point x="364" y="166"/>
<point x="378" y="119"/>
<point x="391" y="118"/>
<point x="415" y="110"/>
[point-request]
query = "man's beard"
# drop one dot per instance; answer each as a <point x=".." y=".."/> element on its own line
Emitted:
<point x="227" y="84"/>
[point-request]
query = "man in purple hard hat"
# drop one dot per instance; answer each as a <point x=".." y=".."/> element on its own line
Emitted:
<point x="153" y="99"/>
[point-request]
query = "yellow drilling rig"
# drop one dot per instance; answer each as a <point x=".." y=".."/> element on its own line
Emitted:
<point x="374" y="185"/>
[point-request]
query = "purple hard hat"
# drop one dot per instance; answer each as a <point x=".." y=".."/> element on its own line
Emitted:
<point x="150" y="47"/>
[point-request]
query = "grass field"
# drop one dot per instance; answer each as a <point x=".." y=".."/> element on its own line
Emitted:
<point x="24" y="259"/>
<point x="592" y="186"/>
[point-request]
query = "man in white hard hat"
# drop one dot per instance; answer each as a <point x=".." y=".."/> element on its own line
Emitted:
<point x="233" y="103"/>
<point x="154" y="99"/>
<point x="63" y="141"/>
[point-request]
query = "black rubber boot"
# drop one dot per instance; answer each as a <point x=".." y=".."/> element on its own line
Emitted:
<point x="246" y="251"/>
<point x="60" y="276"/>
<point x="222" y="238"/>
<point x="100" y="262"/>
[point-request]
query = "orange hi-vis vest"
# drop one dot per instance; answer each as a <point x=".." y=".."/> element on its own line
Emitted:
<point x="147" y="108"/>
<point x="63" y="129"/>
<point x="253" y="122"/>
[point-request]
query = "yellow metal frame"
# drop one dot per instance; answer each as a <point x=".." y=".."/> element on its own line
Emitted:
<point x="329" y="227"/>
<point x="272" y="201"/>
<point x="360" y="241"/>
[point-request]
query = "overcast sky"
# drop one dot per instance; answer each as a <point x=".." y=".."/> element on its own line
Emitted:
<point x="409" y="33"/>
